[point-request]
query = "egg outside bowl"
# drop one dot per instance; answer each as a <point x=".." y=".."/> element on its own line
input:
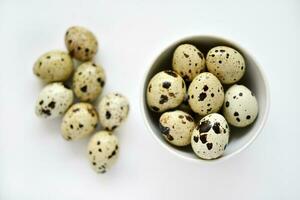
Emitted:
<point x="254" y="79"/>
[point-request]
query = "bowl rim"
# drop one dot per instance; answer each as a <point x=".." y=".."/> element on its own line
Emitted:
<point x="168" y="147"/>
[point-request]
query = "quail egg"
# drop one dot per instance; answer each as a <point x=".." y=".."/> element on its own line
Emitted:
<point x="103" y="151"/>
<point x="88" y="81"/>
<point x="166" y="90"/>
<point x="240" y="106"/>
<point x="188" y="61"/>
<point x="176" y="127"/>
<point x="53" y="101"/>
<point x="53" y="66"/>
<point x="210" y="136"/>
<point x="79" y="121"/>
<point x="113" y="110"/>
<point x="206" y="94"/>
<point x="81" y="43"/>
<point x="226" y="63"/>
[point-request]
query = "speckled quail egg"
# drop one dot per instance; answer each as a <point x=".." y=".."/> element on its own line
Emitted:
<point x="103" y="151"/>
<point x="88" y="81"/>
<point x="113" y="110"/>
<point x="188" y="61"/>
<point x="206" y="94"/>
<point x="226" y="63"/>
<point x="53" y="66"/>
<point x="176" y="127"/>
<point x="166" y="90"/>
<point x="240" y="106"/>
<point x="81" y="43"/>
<point x="79" y="121"/>
<point x="210" y="137"/>
<point x="53" y="100"/>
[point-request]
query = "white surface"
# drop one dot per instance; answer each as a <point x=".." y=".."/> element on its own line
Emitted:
<point x="36" y="163"/>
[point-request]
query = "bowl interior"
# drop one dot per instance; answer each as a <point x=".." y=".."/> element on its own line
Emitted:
<point x="253" y="79"/>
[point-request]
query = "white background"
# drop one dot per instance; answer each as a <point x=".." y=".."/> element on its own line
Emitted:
<point x="36" y="163"/>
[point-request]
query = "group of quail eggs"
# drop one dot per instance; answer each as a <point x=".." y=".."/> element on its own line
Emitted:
<point x="88" y="79"/>
<point x="190" y="97"/>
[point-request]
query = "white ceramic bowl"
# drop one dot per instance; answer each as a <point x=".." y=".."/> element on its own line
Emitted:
<point x="254" y="79"/>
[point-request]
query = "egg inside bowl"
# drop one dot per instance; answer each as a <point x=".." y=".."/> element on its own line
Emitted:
<point x="254" y="79"/>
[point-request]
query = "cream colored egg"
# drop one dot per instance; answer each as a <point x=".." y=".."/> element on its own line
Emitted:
<point x="210" y="137"/>
<point x="53" y="101"/>
<point x="103" y="150"/>
<point x="240" y="106"/>
<point x="188" y="61"/>
<point x="206" y="94"/>
<point x="166" y="90"/>
<point x="81" y="43"/>
<point x="79" y="121"/>
<point x="176" y="127"/>
<point x="113" y="110"/>
<point x="226" y="63"/>
<point x="88" y="81"/>
<point x="53" y="66"/>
